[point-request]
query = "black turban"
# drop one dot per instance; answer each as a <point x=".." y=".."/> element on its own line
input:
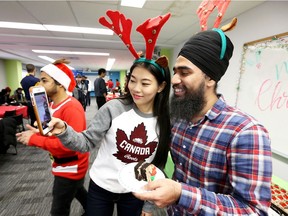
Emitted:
<point x="204" y="49"/>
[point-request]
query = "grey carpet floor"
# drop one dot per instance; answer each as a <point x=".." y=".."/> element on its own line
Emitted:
<point x="26" y="180"/>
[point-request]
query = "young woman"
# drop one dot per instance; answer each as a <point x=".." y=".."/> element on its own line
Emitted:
<point x="140" y="119"/>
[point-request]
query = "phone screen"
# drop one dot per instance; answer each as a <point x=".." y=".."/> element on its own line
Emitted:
<point x="43" y="108"/>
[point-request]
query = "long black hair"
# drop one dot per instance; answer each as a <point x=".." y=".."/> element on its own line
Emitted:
<point x="160" y="109"/>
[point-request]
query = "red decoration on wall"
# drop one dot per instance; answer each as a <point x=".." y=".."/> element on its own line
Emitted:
<point x="207" y="7"/>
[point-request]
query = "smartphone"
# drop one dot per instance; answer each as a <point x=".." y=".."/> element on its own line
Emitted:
<point x="41" y="108"/>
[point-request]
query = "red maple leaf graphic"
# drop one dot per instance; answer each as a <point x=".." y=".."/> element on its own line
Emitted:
<point x="135" y="148"/>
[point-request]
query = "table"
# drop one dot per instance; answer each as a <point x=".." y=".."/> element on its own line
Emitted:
<point x="112" y="96"/>
<point x="19" y="110"/>
<point x="279" y="199"/>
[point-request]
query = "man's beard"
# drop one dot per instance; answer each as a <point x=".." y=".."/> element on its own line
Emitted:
<point x="188" y="107"/>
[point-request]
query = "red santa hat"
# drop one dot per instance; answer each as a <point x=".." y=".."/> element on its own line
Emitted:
<point x="62" y="74"/>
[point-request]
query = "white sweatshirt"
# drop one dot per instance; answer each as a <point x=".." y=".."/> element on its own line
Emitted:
<point x="124" y="135"/>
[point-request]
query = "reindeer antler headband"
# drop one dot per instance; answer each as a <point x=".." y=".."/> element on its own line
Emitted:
<point x="150" y="29"/>
<point x="206" y="50"/>
<point x="204" y="11"/>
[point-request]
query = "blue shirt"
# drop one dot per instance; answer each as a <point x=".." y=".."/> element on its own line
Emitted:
<point x="27" y="82"/>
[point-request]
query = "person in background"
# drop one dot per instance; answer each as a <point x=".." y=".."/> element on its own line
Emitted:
<point x="81" y="87"/>
<point x="100" y="88"/>
<point x="2" y="96"/>
<point x="117" y="85"/>
<point x="141" y="120"/>
<point x="75" y="92"/>
<point x="222" y="155"/>
<point x="68" y="167"/>
<point x="89" y="89"/>
<point x="26" y="83"/>
<point x="19" y="97"/>
<point x="110" y="85"/>
<point x="5" y="97"/>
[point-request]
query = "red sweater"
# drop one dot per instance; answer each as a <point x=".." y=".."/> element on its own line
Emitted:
<point x="71" y="164"/>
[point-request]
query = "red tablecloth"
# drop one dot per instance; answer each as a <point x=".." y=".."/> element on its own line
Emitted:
<point x="19" y="110"/>
<point x="111" y="96"/>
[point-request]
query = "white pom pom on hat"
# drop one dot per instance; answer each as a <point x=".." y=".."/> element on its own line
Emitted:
<point x="62" y="74"/>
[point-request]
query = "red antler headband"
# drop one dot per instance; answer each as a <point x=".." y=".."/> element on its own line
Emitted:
<point x="204" y="11"/>
<point x="117" y="20"/>
<point x="150" y="29"/>
<point x="206" y="8"/>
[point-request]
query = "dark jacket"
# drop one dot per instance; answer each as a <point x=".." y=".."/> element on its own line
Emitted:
<point x="7" y="133"/>
<point x="100" y="87"/>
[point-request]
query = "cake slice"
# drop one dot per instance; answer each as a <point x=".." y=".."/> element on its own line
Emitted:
<point x="137" y="170"/>
<point x="145" y="171"/>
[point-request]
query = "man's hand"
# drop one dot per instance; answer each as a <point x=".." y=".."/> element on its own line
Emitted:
<point x="162" y="192"/>
<point x="146" y="214"/>
<point x="25" y="136"/>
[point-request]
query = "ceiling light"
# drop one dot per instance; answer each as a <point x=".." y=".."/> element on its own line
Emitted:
<point x="17" y="25"/>
<point x="81" y="30"/>
<point x="71" y="29"/>
<point x="53" y="60"/>
<point x="110" y="63"/>
<point x="133" y="3"/>
<point x="71" y="52"/>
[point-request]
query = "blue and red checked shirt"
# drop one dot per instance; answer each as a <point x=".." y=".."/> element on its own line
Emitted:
<point x="223" y="163"/>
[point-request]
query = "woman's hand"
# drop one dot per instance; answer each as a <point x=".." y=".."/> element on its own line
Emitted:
<point x="58" y="126"/>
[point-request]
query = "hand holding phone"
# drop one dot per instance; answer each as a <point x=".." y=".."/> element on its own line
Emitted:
<point x="58" y="126"/>
<point x="41" y="108"/>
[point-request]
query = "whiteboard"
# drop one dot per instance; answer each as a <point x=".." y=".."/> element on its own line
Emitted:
<point x="263" y="88"/>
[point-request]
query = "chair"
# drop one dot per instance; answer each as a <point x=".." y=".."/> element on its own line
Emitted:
<point x="19" y="120"/>
<point x="10" y="113"/>
<point x="8" y="128"/>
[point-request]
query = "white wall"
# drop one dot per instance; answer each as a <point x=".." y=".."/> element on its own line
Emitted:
<point x="265" y="20"/>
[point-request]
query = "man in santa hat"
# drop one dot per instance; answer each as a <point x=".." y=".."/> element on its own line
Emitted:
<point x="68" y="167"/>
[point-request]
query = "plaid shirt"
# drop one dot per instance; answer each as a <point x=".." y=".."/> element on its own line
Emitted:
<point x="223" y="163"/>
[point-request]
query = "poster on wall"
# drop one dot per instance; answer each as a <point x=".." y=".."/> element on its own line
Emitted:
<point x="263" y="87"/>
